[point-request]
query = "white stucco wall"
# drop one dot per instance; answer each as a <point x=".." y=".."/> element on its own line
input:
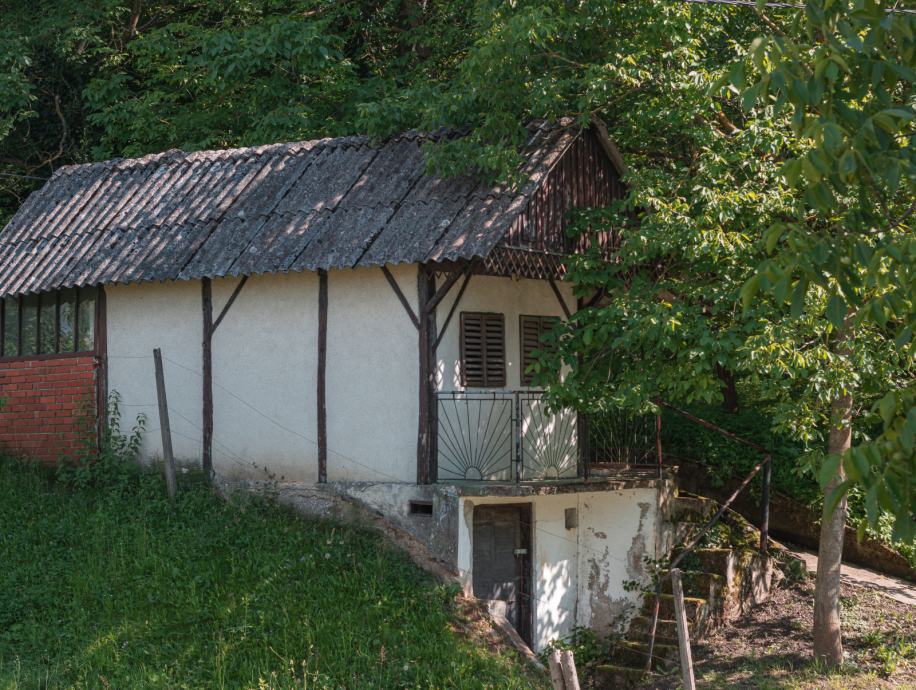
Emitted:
<point x="507" y="296"/>
<point x="578" y="573"/>
<point x="265" y="362"/>
<point x="264" y="373"/>
<point x="372" y="376"/>
<point x="138" y="319"/>
<point x="264" y="378"/>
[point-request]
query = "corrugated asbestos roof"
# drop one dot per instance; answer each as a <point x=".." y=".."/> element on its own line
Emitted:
<point x="330" y="203"/>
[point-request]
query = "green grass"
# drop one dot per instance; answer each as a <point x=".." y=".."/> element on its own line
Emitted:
<point x="105" y="588"/>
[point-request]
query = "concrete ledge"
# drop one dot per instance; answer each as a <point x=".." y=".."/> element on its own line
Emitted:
<point x="549" y="488"/>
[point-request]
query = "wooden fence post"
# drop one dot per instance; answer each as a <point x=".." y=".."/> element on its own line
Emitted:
<point x="165" y="428"/>
<point x="556" y="671"/>
<point x="568" y="666"/>
<point x="683" y="633"/>
<point x="206" y="460"/>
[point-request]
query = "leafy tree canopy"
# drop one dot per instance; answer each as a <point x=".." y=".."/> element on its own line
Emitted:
<point x="91" y="80"/>
<point x="771" y="193"/>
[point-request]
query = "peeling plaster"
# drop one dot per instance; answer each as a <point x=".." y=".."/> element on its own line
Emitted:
<point x="635" y="556"/>
<point x="606" y="611"/>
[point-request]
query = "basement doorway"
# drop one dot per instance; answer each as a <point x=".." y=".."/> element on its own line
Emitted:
<point x="502" y="562"/>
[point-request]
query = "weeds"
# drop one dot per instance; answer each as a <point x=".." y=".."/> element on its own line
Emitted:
<point x="113" y="463"/>
<point x="585" y="645"/>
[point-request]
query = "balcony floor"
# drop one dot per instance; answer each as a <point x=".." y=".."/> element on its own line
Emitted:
<point x="615" y="478"/>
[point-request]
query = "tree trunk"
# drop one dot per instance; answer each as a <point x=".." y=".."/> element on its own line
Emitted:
<point x="828" y="639"/>
<point x="729" y="389"/>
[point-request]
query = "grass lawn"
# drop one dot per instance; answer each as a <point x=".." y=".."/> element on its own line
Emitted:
<point x="118" y="588"/>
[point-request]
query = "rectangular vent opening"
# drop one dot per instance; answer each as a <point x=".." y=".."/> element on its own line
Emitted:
<point x="421" y="507"/>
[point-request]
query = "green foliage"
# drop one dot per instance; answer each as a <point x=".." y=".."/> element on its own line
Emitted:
<point x="105" y="78"/>
<point x="725" y="459"/>
<point x="844" y="73"/>
<point x="126" y="589"/>
<point x="585" y="646"/>
<point x="708" y="281"/>
<point x="111" y="464"/>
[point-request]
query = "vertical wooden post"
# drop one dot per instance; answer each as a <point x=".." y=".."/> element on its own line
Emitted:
<point x="165" y="428"/>
<point x="568" y="666"/>
<point x="207" y="372"/>
<point x="556" y="670"/>
<point x="765" y="520"/>
<point x="432" y="461"/>
<point x="583" y="442"/>
<point x="100" y="335"/>
<point x="321" y="378"/>
<point x="423" y="441"/>
<point x="683" y="632"/>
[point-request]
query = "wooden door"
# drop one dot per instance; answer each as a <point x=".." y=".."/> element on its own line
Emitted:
<point x="502" y="561"/>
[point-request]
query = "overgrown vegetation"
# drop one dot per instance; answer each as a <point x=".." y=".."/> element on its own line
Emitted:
<point x="106" y="584"/>
<point x="795" y="465"/>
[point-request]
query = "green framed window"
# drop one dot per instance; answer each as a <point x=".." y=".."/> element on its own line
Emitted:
<point x="51" y="323"/>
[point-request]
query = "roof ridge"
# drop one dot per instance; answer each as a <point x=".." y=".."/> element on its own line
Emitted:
<point x="181" y="156"/>
<point x="176" y="155"/>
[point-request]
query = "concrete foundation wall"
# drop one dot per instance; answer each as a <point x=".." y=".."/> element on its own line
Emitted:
<point x="579" y="573"/>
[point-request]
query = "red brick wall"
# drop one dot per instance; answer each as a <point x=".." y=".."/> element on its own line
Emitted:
<point x="48" y="406"/>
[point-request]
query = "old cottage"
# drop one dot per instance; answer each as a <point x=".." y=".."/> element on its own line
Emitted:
<point x="330" y="314"/>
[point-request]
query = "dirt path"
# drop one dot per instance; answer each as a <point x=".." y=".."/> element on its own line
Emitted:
<point x="895" y="588"/>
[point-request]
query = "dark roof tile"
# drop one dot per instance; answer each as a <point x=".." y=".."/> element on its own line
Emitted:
<point x="324" y="204"/>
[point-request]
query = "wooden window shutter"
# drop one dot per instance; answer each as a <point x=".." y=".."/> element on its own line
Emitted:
<point x="531" y="329"/>
<point x="483" y="350"/>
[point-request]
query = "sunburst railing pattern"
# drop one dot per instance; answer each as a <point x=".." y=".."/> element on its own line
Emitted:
<point x="513" y="436"/>
<point x="503" y="436"/>
<point x="549" y="448"/>
<point x="476" y="440"/>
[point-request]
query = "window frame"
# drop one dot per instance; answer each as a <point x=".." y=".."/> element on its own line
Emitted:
<point x="82" y="296"/>
<point x="462" y="350"/>
<point x="545" y="323"/>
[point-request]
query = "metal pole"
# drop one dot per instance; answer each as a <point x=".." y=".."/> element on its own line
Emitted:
<point x="518" y="438"/>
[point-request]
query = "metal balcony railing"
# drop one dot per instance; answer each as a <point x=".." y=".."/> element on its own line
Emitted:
<point x="511" y="436"/>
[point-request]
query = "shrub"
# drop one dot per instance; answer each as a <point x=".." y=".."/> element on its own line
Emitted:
<point x="114" y="463"/>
